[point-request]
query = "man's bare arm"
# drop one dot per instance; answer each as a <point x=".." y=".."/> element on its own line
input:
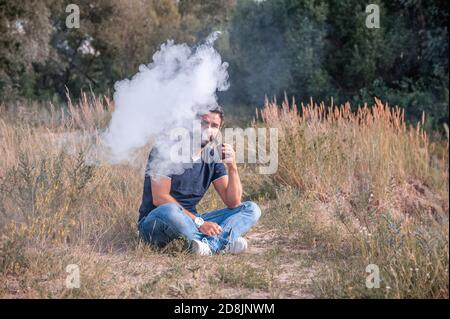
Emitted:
<point x="229" y="187"/>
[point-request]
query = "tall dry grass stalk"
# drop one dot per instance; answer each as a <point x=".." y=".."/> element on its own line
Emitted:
<point x="51" y="191"/>
<point x="371" y="189"/>
<point x="38" y="129"/>
<point x="324" y="150"/>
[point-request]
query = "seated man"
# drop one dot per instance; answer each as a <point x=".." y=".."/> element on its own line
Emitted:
<point x="168" y="208"/>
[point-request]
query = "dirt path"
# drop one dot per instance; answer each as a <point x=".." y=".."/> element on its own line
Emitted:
<point x="294" y="267"/>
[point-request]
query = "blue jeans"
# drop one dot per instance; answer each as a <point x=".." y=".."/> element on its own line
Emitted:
<point x="169" y="221"/>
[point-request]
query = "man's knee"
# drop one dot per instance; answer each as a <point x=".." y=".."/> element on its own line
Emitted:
<point x="253" y="209"/>
<point x="173" y="215"/>
<point x="168" y="206"/>
<point x="165" y="223"/>
<point x="168" y="212"/>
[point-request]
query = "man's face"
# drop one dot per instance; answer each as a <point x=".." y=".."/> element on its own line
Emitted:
<point x="210" y="123"/>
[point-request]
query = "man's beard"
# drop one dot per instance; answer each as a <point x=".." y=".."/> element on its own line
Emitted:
<point x="206" y="141"/>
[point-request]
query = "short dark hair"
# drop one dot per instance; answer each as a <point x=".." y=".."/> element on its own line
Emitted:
<point x="218" y="110"/>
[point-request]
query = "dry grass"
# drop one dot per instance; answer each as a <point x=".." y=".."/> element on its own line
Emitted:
<point x="351" y="189"/>
<point x="340" y="146"/>
<point x="371" y="190"/>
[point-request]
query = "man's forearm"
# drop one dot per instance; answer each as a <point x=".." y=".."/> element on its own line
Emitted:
<point x="234" y="188"/>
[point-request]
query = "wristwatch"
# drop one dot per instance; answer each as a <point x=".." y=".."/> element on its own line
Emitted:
<point x="198" y="221"/>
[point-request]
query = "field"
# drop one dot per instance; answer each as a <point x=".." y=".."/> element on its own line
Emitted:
<point x="353" y="188"/>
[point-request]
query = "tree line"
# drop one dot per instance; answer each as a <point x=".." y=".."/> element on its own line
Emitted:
<point x="302" y="48"/>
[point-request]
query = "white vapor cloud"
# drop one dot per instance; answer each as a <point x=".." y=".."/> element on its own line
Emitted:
<point x="168" y="92"/>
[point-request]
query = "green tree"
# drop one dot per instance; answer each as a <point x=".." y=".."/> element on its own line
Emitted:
<point x="25" y="28"/>
<point x="322" y="48"/>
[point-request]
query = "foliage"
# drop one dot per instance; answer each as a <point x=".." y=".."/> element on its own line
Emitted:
<point x="306" y="48"/>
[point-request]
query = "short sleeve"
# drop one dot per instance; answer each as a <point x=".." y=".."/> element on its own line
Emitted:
<point x="154" y="162"/>
<point x="219" y="171"/>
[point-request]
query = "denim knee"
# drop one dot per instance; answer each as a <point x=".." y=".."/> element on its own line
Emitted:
<point x="156" y="232"/>
<point x="253" y="209"/>
<point x="166" y="209"/>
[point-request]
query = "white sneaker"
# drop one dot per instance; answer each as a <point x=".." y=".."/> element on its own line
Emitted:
<point x="238" y="246"/>
<point x="200" y="248"/>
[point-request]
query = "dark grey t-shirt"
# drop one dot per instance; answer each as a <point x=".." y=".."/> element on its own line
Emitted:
<point x="187" y="188"/>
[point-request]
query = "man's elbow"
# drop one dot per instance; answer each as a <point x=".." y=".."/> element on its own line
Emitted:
<point x="158" y="201"/>
<point x="233" y="204"/>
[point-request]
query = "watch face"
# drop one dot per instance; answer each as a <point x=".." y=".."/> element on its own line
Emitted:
<point x="198" y="221"/>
